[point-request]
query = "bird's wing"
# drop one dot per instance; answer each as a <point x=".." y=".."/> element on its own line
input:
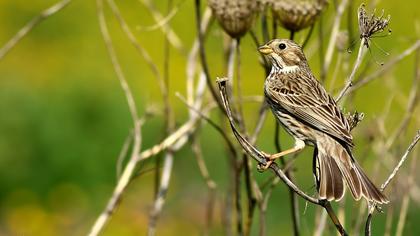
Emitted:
<point x="304" y="98"/>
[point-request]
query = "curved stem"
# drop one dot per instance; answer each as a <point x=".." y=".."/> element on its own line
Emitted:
<point x="203" y="59"/>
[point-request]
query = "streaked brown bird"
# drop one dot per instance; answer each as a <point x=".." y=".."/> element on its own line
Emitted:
<point x="312" y="117"/>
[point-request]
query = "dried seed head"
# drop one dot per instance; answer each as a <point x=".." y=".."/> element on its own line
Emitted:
<point x="370" y="25"/>
<point x="354" y="119"/>
<point x="235" y="16"/>
<point x="295" y="15"/>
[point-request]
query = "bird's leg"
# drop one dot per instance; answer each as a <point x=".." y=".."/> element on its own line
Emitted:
<point x="299" y="145"/>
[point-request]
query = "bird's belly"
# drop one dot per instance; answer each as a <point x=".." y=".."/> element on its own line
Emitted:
<point x="296" y="128"/>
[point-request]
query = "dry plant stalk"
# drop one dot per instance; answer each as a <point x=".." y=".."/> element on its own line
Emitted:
<point x="31" y="24"/>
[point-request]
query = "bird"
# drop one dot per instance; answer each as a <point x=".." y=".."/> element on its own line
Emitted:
<point x="309" y="114"/>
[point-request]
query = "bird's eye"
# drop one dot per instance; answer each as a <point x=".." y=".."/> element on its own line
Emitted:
<point x="282" y="46"/>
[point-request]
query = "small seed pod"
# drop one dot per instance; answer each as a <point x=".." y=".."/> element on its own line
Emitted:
<point x="235" y="16"/>
<point x="295" y="15"/>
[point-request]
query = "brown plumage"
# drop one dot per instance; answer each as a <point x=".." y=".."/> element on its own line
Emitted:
<point x="311" y="116"/>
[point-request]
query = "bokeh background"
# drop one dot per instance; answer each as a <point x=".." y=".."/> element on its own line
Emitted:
<point x="64" y="119"/>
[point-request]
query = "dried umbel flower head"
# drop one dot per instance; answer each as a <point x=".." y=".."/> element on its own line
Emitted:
<point x="235" y="16"/>
<point x="354" y="119"/>
<point x="295" y="15"/>
<point x="370" y="25"/>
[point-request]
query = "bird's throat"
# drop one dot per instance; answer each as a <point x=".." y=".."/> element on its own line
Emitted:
<point x="285" y="69"/>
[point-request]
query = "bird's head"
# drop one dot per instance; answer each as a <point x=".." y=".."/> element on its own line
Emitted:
<point x="284" y="54"/>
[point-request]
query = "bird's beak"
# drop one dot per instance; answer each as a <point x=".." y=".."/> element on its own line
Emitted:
<point x="265" y="50"/>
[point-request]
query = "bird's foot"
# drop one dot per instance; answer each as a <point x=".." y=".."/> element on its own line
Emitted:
<point x="269" y="159"/>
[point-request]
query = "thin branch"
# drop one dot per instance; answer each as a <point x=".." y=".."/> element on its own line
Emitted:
<point x="130" y="167"/>
<point x="163" y="187"/>
<point x="140" y="49"/>
<point x="160" y="23"/>
<point x="413" y="99"/>
<point x="319" y="231"/>
<point x="202" y="52"/>
<point x="333" y="37"/>
<point x="264" y="206"/>
<point x="211" y="123"/>
<point x="123" y="154"/>
<point x="211" y="184"/>
<point x="402" y="216"/>
<point x="308" y="36"/>
<point x="349" y="81"/>
<point x="388" y="222"/>
<point x="192" y="57"/>
<point x="264" y="25"/>
<point x="238" y="85"/>
<point x="31" y="24"/>
<point x="368" y="228"/>
<point x="166" y="29"/>
<point x="406" y="199"/>
<point x="338" y="65"/>
<point x="361" y="82"/>
<point x="402" y="160"/>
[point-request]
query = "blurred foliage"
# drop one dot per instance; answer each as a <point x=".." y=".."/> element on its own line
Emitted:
<point x="64" y="119"/>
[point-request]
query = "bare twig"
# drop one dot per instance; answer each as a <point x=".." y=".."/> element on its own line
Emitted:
<point x="264" y="205"/>
<point x="180" y="136"/>
<point x="166" y="29"/>
<point x="402" y="160"/>
<point x="363" y="81"/>
<point x="238" y="85"/>
<point x="202" y="52"/>
<point x="211" y="185"/>
<point x="129" y="169"/>
<point x="31" y="24"/>
<point x="368" y="230"/>
<point x="162" y="184"/>
<point x="349" y="81"/>
<point x="140" y="49"/>
<point x="406" y="198"/>
<point x="160" y="23"/>
<point x="319" y="230"/>
<point x="308" y="36"/>
<point x="192" y="57"/>
<point x="211" y="122"/>
<point x="163" y="187"/>
<point x="333" y="37"/>
<point x="264" y="25"/>
<point x="413" y="99"/>
<point x="388" y="223"/>
<point x="123" y="154"/>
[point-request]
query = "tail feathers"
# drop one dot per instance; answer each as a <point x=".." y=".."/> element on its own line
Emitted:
<point x="369" y="190"/>
<point x="330" y="184"/>
<point x="334" y="165"/>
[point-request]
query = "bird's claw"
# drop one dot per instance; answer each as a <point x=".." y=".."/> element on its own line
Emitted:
<point x="263" y="167"/>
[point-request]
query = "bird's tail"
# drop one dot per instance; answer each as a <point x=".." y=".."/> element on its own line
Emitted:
<point x="333" y="166"/>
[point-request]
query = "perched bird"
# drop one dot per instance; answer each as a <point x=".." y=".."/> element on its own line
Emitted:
<point x="312" y="117"/>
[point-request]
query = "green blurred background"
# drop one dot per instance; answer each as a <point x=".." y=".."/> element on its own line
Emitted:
<point x="64" y="119"/>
